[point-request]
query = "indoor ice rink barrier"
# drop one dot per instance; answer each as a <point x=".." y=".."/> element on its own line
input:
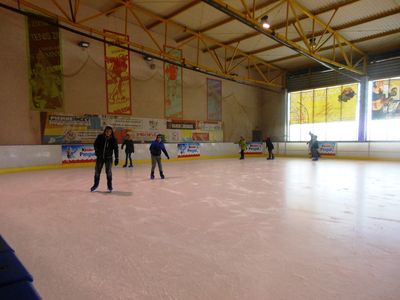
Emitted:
<point x="50" y="156"/>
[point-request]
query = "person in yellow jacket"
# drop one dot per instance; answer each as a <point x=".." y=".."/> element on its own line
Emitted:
<point x="243" y="147"/>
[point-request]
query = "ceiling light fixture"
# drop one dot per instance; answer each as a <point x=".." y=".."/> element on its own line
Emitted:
<point x="148" y="58"/>
<point x="84" y="44"/>
<point x="264" y="22"/>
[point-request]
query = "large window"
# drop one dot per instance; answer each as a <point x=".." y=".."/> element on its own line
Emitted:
<point x="331" y="113"/>
<point x="384" y="113"/>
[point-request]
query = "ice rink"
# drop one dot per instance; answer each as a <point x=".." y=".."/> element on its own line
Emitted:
<point x="213" y="229"/>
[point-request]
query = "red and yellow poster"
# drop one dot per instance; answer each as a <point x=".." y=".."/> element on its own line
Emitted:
<point x="45" y="69"/>
<point x="173" y="86"/>
<point x="118" y="75"/>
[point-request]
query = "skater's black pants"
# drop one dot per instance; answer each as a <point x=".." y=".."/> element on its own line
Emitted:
<point x="99" y="166"/>
<point x="270" y="154"/>
<point x="128" y="155"/>
<point x="241" y="154"/>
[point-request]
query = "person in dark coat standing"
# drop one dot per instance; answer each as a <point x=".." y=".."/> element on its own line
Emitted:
<point x="314" y="146"/>
<point x="104" y="146"/>
<point x="155" y="149"/>
<point x="270" y="148"/>
<point x="129" y="149"/>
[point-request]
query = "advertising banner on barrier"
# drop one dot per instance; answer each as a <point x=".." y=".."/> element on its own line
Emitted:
<point x="77" y="153"/>
<point x="254" y="148"/>
<point x="327" y="148"/>
<point x="188" y="150"/>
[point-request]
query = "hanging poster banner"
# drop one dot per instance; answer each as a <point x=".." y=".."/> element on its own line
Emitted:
<point x="45" y="69"/>
<point x="188" y="150"/>
<point x="173" y="86"/>
<point x="214" y="99"/>
<point x="118" y="75"/>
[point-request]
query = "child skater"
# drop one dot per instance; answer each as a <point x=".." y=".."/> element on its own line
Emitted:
<point x="242" y="146"/>
<point x="104" y="146"/>
<point x="314" y="146"/>
<point x="129" y="149"/>
<point x="270" y="148"/>
<point x="155" y="149"/>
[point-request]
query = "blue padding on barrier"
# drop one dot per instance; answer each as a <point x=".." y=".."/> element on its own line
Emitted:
<point x="19" y="291"/>
<point x="4" y="247"/>
<point x="12" y="270"/>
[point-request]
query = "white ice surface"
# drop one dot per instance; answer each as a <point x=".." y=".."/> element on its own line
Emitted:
<point x="215" y="229"/>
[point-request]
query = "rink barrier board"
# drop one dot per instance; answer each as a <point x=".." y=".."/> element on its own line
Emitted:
<point x="44" y="157"/>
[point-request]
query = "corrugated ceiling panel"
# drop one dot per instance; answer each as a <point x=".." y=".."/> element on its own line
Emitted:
<point x="226" y="33"/>
<point x="315" y="80"/>
<point x="200" y="16"/>
<point x="381" y="45"/>
<point x="358" y="10"/>
<point x="386" y="69"/>
<point x="371" y="28"/>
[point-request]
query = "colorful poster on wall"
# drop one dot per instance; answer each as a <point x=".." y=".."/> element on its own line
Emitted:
<point x="307" y="106"/>
<point x="188" y="150"/>
<point x="214" y="99"/>
<point x="45" y="69"/>
<point x="118" y="75"/>
<point x="348" y="99"/>
<point x="386" y="99"/>
<point x="66" y="129"/>
<point x="295" y="112"/>
<point x="173" y="86"/>
<point x="83" y="129"/>
<point x="334" y="106"/>
<point x="319" y="105"/>
<point x="77" y="154"/>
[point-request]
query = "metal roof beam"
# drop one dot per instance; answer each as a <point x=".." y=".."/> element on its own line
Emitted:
<point x="331" y="64"/>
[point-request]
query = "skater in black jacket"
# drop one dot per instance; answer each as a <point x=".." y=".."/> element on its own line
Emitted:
<point x="104" y="146"/>
<point x="129" y="149"/>
<point x="270" y="148"/>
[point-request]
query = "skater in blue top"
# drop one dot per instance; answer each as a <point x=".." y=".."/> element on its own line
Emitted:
<point x="155" y="149"/>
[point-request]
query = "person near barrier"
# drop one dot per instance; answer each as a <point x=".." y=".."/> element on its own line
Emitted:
<point x="105" y="146"/>
<point x="242" y="146"/>
<point x="270" y="148"/>
<point x="155" y="150"/>
<point x="314" y="146"/>
<point x="129" y="149"/>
